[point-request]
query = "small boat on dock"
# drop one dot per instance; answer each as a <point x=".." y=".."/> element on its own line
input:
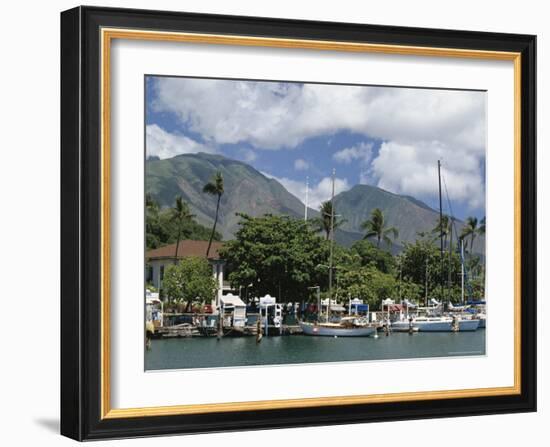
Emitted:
<point x="341" y="329"/>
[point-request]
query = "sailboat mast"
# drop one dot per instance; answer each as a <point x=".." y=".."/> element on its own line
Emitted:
<point x="462" y="270"/>
<point x="440" y="224"/>
<point x="307" y="193"/>
<point x="330" y="268"/>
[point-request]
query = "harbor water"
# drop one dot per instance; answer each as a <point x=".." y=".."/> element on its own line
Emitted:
<point x="209" y="352"/>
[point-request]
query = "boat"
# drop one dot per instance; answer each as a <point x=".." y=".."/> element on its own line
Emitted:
<point x="436" y="324"/>
<point x="341" y="329"/>
<point x="403" y="326"/>
<point x="480" y="312"/>
<point x="468" y="324"/>
<point x="347" y="326"/>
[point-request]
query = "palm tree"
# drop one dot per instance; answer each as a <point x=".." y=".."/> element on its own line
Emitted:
<point x="376" y="227"/>
<point x="215" y="188"/>
<point x="180" y="214"/>
<point x="323" y="223"/>
<point x="470" y="229"/>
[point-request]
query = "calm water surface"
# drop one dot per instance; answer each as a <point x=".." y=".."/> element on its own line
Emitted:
<point x="202" y="352"/>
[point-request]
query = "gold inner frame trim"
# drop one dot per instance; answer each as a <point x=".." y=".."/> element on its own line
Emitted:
<point x="107" y="35"/>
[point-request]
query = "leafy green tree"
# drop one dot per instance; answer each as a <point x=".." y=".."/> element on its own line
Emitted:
<point x="422" y="264"/>
<point x="189" y="281"/>
<point x="215" y="188"/>
<point x="406" y="289"/>
<point x="369" y="254"/>
<point x="323" y="223"/>
<point x="153" y="228"/>
<point x="180" y="215"/>
<point x="367" y="284"/>
<point x="276" y="255"/>
<point x="376" y="227"/>
<point x="161" y="229"/>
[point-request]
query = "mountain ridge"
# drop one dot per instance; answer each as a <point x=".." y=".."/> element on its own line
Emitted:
<point x="247" y="190"/>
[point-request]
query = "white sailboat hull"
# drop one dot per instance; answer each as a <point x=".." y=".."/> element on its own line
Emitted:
<point x="402" y="326"/>
<point x="335" y="330"/>
<point x="444" y="324"/>
<point x="468" y="325"/>
<point x="434" y="326"/>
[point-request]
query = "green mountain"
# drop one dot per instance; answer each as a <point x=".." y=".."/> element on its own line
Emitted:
<point x="408" y="214"/>
<point x="249" y="191"/>
<point x="246" y="189"/>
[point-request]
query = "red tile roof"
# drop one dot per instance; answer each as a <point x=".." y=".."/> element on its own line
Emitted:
<point x="185" y="249"/>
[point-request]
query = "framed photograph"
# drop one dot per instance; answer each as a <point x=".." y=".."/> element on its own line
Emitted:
<point x="275" y="223"/>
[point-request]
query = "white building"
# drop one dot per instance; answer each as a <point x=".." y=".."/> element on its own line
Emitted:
<point x="158" y="259"/>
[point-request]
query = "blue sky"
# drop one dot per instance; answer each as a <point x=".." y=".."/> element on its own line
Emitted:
<point x="386" y="137"/>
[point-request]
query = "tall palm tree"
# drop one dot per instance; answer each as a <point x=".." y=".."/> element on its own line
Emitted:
<point x="376" y="227"/>
<point x="470" y="229"/>
<point x="323" y="223"/>
<point x="180" y="214"/>
<point x="214" y="188"/>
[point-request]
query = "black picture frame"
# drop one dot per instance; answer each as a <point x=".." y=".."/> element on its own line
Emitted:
<point x="81" y="209"/>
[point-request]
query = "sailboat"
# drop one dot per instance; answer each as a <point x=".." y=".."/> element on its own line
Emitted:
<point x="432" y="322"/>
<point x="351" y="326"/>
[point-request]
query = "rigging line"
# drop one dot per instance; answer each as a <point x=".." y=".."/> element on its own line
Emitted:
<point x="450" y="206"/>
<point x="468" y="286"/>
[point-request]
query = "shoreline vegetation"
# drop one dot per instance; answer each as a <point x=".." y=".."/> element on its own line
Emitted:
<point x="285" y="257"/>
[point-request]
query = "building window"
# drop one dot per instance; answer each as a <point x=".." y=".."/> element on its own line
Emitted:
<point x="149" y="274"/>
<point x="161" y="272"/>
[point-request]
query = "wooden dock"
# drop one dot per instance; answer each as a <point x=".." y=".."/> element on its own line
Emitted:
<point x="186" y="330"/>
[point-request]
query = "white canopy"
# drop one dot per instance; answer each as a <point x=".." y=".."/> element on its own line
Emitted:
<point x="267" y="300"/>
<point x="232" y="300"/>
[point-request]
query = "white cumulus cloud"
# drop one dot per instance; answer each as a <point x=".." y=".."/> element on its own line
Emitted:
<point x="317" y="193"/>
<point x="273" y="115"/>
<point x="415" y="126"/>
<point x="164" y="144"/>
<point x="361" y="152"/>
<point x="412" y="170"/>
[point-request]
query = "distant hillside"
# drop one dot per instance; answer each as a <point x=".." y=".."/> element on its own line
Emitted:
<point x="408" y="214"/>
<point x="247" y="190"/>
